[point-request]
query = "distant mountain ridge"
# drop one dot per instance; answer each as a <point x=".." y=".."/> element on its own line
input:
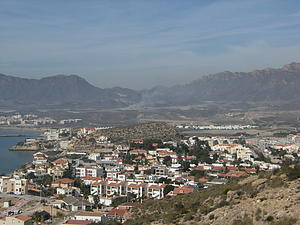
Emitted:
<point x="265" y="85"/>
<point x="260" y="85"/>
<point x="62" y="90"/>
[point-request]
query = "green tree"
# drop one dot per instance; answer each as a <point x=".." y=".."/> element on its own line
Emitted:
<point x="201" y="150"/>
<point x="185" y="165"/>
<point x="30" y="176"/>
<point x="68" y="173"/>
<point x="168" y="189"/>
<point x="40" y="216"/>
<point x="96" y="201"/>
<point x="46" y="180"/>
<point x="148" y="172"/>
<point x="167" y="161"/>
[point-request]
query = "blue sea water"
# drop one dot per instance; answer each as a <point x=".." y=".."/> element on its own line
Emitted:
<point x="11" y="160"/>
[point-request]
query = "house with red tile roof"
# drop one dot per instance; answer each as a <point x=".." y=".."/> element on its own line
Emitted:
<point x="90" y="180"/>
<point x="137" y="141"/>
<point x="63" y="183"/>
<point x="138" y="152"/>
<point x="156" y="191"/>
<point x="232" y="174"/>
<point x="99" y="188"/>
<point x="13" y="220"/>
<point x="118" y="214"/>
<point x="116" y="188"/>
<point x="90" y="216"/>
<point x="139" y="189"/>
<point x="62" y="163"/>
<point x="181" y="190"/>
<point x="39" y="158"/>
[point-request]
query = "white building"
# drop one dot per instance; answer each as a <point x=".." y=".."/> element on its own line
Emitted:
<point x="85" y="171"/>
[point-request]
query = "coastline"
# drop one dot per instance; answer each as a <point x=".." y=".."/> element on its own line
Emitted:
<point x="12" y="160"/>
<point x="12" y="135"/>
<point x="22" y="128"/>
<point x="23" y="150"/>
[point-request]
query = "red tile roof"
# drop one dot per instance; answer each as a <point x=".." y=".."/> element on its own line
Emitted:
<point x="182" y="190"/>
<point x="98" y="183"/>
<point x="64" y="181"/>
<point x="235" y="174"/>
<point x="60" y="161"/>
<point x="114" y="184"/>
<point x="23" y="218"/>
<point x="166" y="153"/>
<point x="90" y="214"/>
<point x="118" y="212"/>
<point x="136" y="185"/>
<point x="202" y="180"/>
<point x="249" y="170"/>
<point x="92" y="178"/>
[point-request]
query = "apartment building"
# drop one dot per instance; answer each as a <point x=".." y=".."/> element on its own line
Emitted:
<point x="13" y="185"/>
<point x="86" y="171"/>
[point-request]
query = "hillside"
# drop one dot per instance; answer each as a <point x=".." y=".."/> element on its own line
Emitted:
<point x="63" y="91"/>
<point x="144" y="131"/>
<point x="258" y="86"/>
<point x="267" y="198"/>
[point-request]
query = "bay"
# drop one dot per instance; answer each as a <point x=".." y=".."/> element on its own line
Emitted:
<point x="12" y="160"/>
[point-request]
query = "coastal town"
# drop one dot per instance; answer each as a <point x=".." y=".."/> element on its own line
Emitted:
<point x="32" y="120"/>
<point x="91" y="175"/>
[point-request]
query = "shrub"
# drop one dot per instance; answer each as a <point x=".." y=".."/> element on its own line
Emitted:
<point x="222" y="204"/>
<point x="211" y="217"/>
<point x="276" y="182"/>
<point x="189" y="216"/>
<point x="286" y="221"/>
<point x="245" y="221"/>
<point x="258" y="214"/>
<point x="270" y="218"/>
<point x="293" y="173"/>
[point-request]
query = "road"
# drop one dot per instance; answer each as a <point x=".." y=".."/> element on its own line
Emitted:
<point x="26" y="197"/>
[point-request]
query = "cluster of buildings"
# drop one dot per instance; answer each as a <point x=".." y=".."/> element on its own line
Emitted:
<point x="32" y="120"/>
<point x="109" y="178"/>
<point x="214" y="127"/>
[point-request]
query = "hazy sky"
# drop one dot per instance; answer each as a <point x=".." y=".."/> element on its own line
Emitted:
<point x="143" y="43"/>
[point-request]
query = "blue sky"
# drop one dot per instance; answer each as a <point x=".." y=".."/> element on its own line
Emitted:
<point x="144" y="43"/>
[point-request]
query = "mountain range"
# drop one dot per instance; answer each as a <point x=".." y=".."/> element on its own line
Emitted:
<point x="62" y="90"/>
<point x="258" y="86"/>
<point x="265" y="85"/>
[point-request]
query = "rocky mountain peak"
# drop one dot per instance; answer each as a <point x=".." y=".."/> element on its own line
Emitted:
<point x="292" y="66"/>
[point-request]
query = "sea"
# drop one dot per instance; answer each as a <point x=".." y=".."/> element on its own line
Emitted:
<point x="12" y="160"/>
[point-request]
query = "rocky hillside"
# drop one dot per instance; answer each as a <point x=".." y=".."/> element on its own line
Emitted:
<point x="261" y="85"/>
<point x="63" y="91"/>
<point x="267" y="198"/>
<point x="144" y="130"/>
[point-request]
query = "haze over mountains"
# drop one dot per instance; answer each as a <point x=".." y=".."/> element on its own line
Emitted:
<point x="62" y="90"/>
<point x="261" y="85"/>
<point x="258" y="86"/>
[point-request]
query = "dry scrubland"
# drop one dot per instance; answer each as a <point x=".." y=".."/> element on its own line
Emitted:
<point x="267" y="198"/>
<point x="144" y="131"/>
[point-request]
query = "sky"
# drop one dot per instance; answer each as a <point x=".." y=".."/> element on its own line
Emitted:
<point x="144" y="43"/>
